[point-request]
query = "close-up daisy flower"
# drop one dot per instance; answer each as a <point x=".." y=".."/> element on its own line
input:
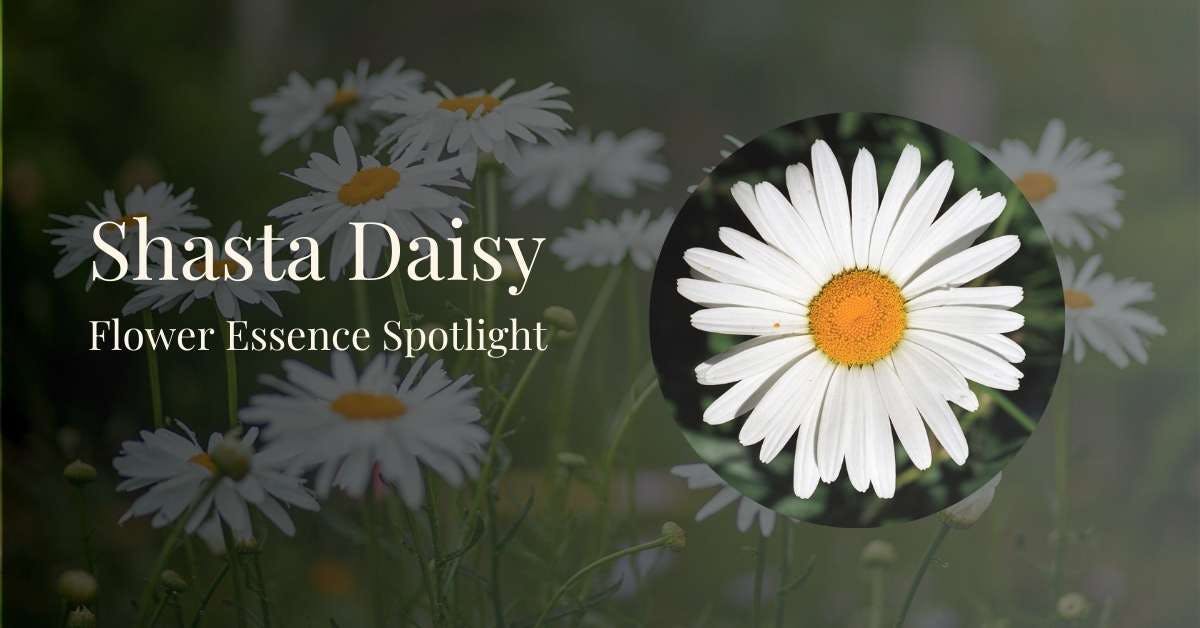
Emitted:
<point x="177" y="470"/>
<point x="701" y="476"/>
<point x="407" y="197"/>
<point x="166" y="214"/>
<point x="1069" y="186"/>
<point x="348" y="424"/>
<point x="160" y="295"/>
<point x="861" y="317"/>
<point x="429" y="124"/>
<point x="636" y="235"/>
<point x="1101" y="313"/>
<point x="605" y="166"/>
<point x="299" y="109"/>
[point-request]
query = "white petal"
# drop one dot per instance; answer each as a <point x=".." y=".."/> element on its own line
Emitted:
<point x="832" y="201"/>
<point x="810" y="249"/>
<point x="987" y="296"/>
<point x="920" y="383"/>
<point x="854" y="431"/>
<point x="739" y="399"/>
<point x="880" y="450"/>
<point x="830" y="448"/>
<point x="974" y="362"/>
<point x="751" y="357"/>
<point x="715" y="293"/>
<point x="784" y="400"/>
<point x="965" y="319"/>
<point x="773" y="262"/>
<point x="918" y="213"/>
<point x="746" y="321"/>
<point x="864" y="204"/>
<point x="908" y="168"/>
<point x="963" y="267"/>
<point x="904" y="416"/>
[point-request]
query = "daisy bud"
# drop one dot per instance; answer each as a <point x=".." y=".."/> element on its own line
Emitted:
<point x="79" y="473"/>
<point x="675" y="537"/>
<point x="878" y="554"/>
<point x="571" y="460"/>
<point x="81" y="618"/>
<point x="965" y="513"/>
<point x="560" y="317"/>
<point x="77" y="586"/>
<point x="172" y="581"/>
<point x="232" y="457"/>
<point x="1073" y="606"/>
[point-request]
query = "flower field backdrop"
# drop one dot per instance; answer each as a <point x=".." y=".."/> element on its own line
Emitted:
<point x="555" y="489"/>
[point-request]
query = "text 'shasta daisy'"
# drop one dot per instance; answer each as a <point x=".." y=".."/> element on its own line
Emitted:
<point x="860" y="317"/>
<point x="429" y="124"/>
<point x="350" y="424"/>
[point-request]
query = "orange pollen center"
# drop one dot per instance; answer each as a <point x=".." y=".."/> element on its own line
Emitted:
<point x="369" y="184"/>
<point x="1036" y="185"/>
<point x="129" y="221"/>
<point x="1077" y="300"/>
<point x="221" y="268"/>
<point x="364" y="406"/>
<point x="342" y="98"/>
<point x="202" y="459"/>
<point x="469" y="104"/>
<point x="858" y="317"/>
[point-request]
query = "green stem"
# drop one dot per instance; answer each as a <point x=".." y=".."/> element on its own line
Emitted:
<point x="263" y="599"/>
<point x="231" y="555"/>
<point x="558" y="427"/>
<point x="875" y="619"/>
<point x="1061" y="446"/>
<point x="760" y="568"/>
<point x="494" y="536"/>
<point x="85" y="530"/>
<point x="231" y="377"/>
<point x="435" y="544"/>
<point x="916" y="581"/>
<point x="599" y="562"/>
<point x="785" y="574"/>
<point x="147" y="596"/>
<point x="156" y="405"/>
<point x="403" y="313"/>
<point x="373" y="554"/>
<point x="1015" y="412"/>
<point x="634" y="321"/>
<point x="491" y="212"/>
<point x="212" y="589"/>
<point x="395" y="511"/>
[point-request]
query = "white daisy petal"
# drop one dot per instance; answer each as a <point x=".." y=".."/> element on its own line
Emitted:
<point x="864" y="204"/>
<point x="908" y="168"/>
<point x="832" y="201"/>
<point x="964" y="266"/>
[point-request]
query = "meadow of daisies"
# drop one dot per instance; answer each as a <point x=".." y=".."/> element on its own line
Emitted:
<point x="542" y="489"/>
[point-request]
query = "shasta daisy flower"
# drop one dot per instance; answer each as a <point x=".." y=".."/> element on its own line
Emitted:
<point x="402" y="195"/>
<point x="701" y="476"/>
<point x="298" y="109"/>
<point x="347" y="424"/>
<point x="430" y="123"/>
<point x="167" y="215"/>
<point x="1069" y="187"/>
<point x="1100" y="313"/>
<point x="177" y="471"/>
<point x="635" y="235"/>
<point x="162" y="295"/>
<point x="965" y="513"/>
<point x="607" y="165"/>
<point x="860" y="319"/>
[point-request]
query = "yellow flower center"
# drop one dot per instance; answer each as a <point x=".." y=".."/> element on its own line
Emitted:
<point x="1036" y="185"/>
<point x="128" y="221"/>
<point x="1077" y="300"/>
<point x="365" y="406"/>
<point x="858" y="317"/>
<point x="369" y="184"/>
<point x="468" y="104"/>
<point x="342" y="98"/>
<point x="204" y="460"/>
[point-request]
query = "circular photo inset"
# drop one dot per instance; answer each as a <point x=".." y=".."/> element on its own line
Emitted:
<point x="858" y="319"/>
